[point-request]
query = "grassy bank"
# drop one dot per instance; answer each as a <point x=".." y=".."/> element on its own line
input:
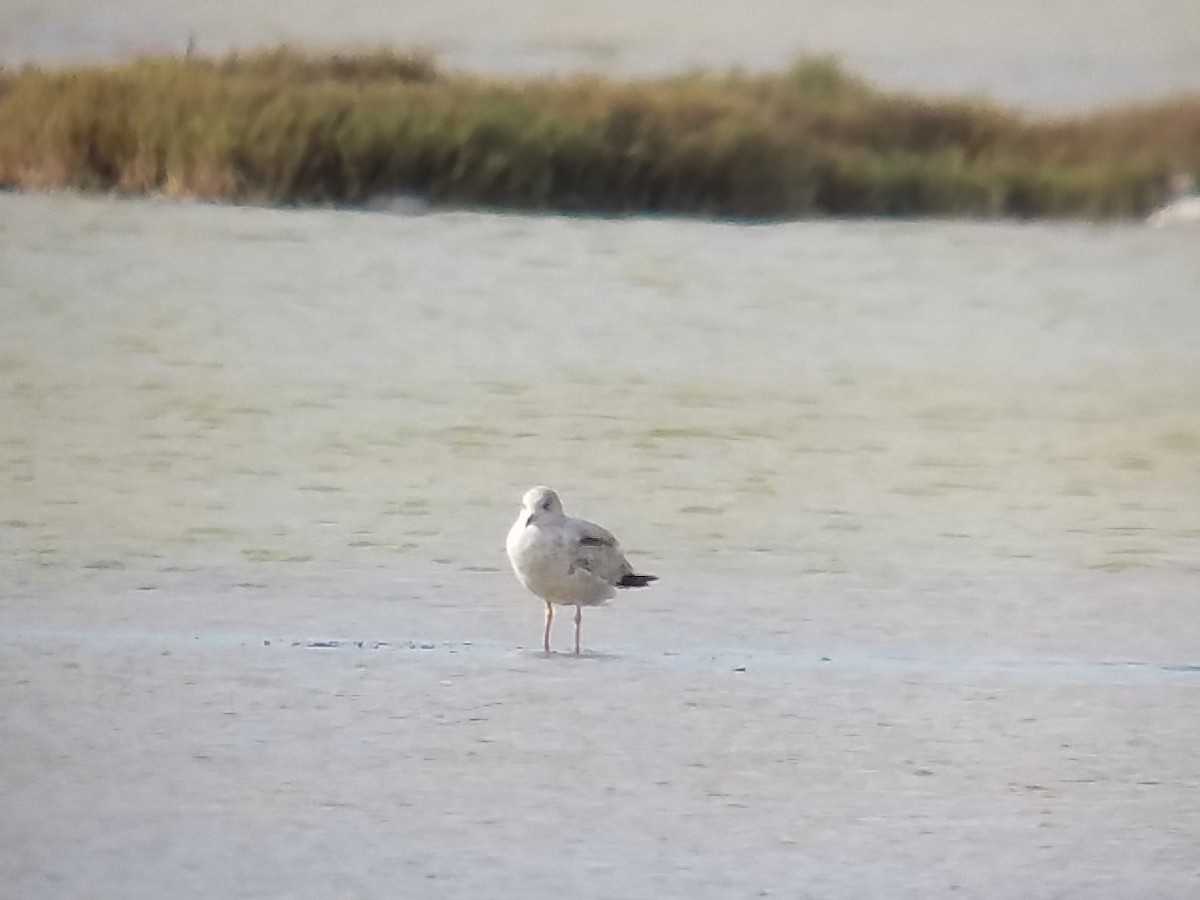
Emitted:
<point x="280" y="126"/>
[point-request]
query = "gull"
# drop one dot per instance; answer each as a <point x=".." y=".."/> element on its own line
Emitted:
<point x="1184" y="208"/>
<point x="571" y="562"/>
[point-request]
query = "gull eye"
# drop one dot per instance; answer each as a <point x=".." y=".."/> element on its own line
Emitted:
<point x="547" y="503"/>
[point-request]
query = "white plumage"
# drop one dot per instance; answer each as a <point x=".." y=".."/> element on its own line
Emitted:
<point x="571" y="562"/>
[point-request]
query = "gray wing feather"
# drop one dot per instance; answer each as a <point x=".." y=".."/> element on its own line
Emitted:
<point x="598" y="552"/>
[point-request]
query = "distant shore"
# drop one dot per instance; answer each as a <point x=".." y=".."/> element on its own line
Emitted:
<point x="282" y="126"/>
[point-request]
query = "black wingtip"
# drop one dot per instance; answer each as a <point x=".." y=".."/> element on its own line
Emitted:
<point x="632" y="580"/>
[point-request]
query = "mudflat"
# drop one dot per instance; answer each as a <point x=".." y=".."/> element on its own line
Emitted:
<point x="339" y="734"/>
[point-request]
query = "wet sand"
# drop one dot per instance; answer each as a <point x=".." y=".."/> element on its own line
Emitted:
<point x="340" y="733"/>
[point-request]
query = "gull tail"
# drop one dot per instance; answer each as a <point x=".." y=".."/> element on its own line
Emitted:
<point x="632" y="580"/>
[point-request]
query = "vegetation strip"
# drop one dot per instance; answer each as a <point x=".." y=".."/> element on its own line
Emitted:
<point x="282" y="126"/>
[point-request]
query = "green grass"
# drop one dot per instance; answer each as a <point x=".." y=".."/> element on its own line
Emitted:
<point x="282" y="126"/>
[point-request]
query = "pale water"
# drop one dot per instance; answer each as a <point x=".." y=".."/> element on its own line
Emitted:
<point x="950" y="405"/>
<point x="1043" y="56"/>
<point x="922" y="497"/>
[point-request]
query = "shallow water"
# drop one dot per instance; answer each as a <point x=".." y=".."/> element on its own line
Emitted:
<point x="921" y="496"/>
<point x="892" y="405"/>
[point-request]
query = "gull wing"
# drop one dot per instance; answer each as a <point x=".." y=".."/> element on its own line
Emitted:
<point x="597" y="551"/>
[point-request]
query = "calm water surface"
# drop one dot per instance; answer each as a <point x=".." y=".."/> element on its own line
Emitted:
<point x="1056" y="56"/>
<point x="922" y="498"/>
<point x="983" y="421"/>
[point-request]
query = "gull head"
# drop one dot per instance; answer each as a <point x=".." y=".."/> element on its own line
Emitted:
<point x="541" y="501"/>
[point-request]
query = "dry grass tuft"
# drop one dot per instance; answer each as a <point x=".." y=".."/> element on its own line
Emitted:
<point x="283" y="126"/>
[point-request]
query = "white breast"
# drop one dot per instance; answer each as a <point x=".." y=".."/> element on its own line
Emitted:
<point x="544" y="558"/>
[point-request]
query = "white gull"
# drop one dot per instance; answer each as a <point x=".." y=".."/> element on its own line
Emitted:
<point x="571" y="562"/>
<point x="1184" y="208"/>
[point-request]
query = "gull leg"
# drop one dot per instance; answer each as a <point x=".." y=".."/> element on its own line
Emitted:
<point x="578" y="619"/>
<point x="549" y="619"/>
